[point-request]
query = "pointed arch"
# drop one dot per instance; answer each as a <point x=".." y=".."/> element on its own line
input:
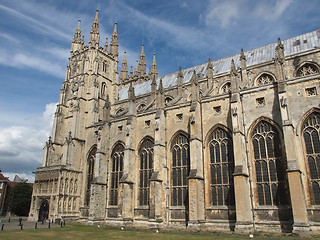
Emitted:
<point x="218" y="125"/>
<point x="310" y="133"/>
<point x="264" y="78"/>
<point x="225" y="87"/>
<point x="299" y="127"/>
<point x="91" y="156"/>
<point x="116" y="171"/>
<point x="141" y="106"/>
<point x="307" y="68"/>
<point x="269" y="163"/>
<point x="180" y="168"/>
<point x="145" y="169"/>
<point x="221" y="165"/>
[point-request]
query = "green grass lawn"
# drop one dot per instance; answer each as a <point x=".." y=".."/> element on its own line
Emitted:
<point x="81" y="231"/>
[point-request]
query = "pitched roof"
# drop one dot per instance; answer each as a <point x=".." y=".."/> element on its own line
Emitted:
<point x="266" y="53"/>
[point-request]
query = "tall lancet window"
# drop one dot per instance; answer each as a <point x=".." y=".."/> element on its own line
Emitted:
<point x="180" y="170"/>
<point x="269" y="165"/>
<point x="311" y="128"/>
<point x="146" y="169"/>
<point x="221" y="168"/>
<point x="90" y="173"/>
<point x="116" y="173"/>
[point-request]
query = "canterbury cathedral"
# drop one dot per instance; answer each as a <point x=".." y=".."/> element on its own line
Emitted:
<point x="232" y="144"/>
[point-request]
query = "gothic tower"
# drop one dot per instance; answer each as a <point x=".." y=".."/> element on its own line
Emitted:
<point x="73" y="154"/>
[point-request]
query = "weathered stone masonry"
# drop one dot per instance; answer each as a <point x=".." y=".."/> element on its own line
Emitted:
<point x="229" y="144"/>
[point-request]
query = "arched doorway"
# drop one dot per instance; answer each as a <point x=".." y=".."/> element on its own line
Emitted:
<point x="44" y="210"/>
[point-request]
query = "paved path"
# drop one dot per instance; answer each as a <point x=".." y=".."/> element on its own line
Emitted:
<point x="5" y="225"/>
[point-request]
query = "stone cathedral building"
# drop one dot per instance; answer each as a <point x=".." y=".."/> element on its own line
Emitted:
<point x="229" y="144"/>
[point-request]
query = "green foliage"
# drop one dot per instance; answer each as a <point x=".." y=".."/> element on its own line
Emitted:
<point x="19" y="199"/>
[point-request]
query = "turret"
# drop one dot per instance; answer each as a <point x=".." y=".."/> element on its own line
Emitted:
<point x="180" y="81"/>
<point x="114" y="46"/>
<point x="106" y="46"/>
<point x="154" y="69"/>
<point x="142" y="62"/>
<point x="94" y="33"/>
<point x="76" y="42"/>
<point x="136" y="70"/>
<point x="124" y="69"/>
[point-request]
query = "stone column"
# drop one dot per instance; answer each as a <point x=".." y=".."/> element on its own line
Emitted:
<point x="126" y="199"/>
<point x="298" y="201"/>
<point x="244" y="216"/>
<point x="242" y="188"/>
<point x="98" y="186"/>
<point x="157" y="202"/>
<point x="195" y="179"/>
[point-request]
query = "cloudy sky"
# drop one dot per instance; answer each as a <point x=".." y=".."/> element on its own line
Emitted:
<point x="36" y="35"/>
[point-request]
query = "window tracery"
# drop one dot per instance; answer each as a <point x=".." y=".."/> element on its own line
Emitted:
<point x="311" y="134"/>
<point x="180" y="170"/>
<point x="226" y="88"/>
<point x="221" y="168"/>
<point x="146" y="169"/>
<point x="264" y="79"/>
<point x="116" y="173"/>
<point x="307" y="69"/>
<point x="269" y="166"/>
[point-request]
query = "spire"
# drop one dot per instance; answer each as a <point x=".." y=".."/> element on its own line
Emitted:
<point x="280" y="51"/>
<point x="243" y="60"/>
<point x="131" y="72"/>
<point x="149" y="73"/>
<point x="160" y="96"/>
<point x="142" y="62"/>
<point x="136" y="70"/>
<point x="106" y="46"/>
<point x="153" y="85"/>
<point x="233" y="68"/>
<point x="160" y="89"/>
<point x="209" y="69"/>
<point x="76" y="42"/>
<point x="124" y="69"/>
<point x="154" y="68"/>
<point x="194" y="87"/>
<point x="94" y="33"/>
<point x="234" y="82"/>
<point x="131" y="94"/>
<point x="114" y="46"/>
<point x="180" y="77"/>
<point x="194" y="78"/>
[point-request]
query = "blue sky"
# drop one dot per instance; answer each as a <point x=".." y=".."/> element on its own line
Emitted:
<point x="36" y="35"/>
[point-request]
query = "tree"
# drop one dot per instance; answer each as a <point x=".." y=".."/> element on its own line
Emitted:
<point x="19" y="199"/>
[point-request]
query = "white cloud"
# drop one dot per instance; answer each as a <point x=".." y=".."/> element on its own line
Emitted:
<point x="24" y="59"/>
<point x="270" y="11"/>
<point x="21" y="146"/>
<point x="224" y="12"/>
<point x="32" y="22"/>
<point x="229" y="12"/>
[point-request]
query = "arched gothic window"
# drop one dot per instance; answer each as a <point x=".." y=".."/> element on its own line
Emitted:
<point x="222" y="168"/>
<point x="146" y="169"/>
<point x="264" y="79"/>
<point x="180" y="170"/>
<point x="307" y="69"/>
<point x="116" y="173"/>
<point x="269" y="165"/>
<point x="311" y="128"/>
<point x="90" y="174"/>
<point x="226" y="88"/>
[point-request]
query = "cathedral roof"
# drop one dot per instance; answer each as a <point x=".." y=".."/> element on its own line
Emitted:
<point x="263" y="54"/>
